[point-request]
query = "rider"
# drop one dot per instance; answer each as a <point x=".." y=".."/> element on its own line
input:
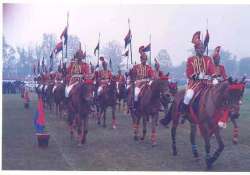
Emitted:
<point x="76" y="70"/>
<point x="142" y="74"/>
<point x="199" y="70"/>
<point x="103" y="76"/>
<point x="219" y="68"/>
<point x="221" y="76"/>
<point x="158" y="72"/>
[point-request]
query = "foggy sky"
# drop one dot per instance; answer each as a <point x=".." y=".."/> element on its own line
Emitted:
<point x="171" y="26"/>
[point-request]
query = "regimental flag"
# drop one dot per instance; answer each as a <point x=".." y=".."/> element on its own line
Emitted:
<point x="128" y="38"/>
<point x="38" y="66"/>
<point x="59" y="47"/>
<point x="39" y="117"/>
<point x="147" y="48"/>
<point x="126" y="53"/>
<point x="43" y="65"/>
<point x="64" y="35"/>
<point x="97" y="48"/>
<point x="206" y="40"/>
<point x="110" y="64"/>
<point x="34" y="69"/>
<point x="84" y="55"/>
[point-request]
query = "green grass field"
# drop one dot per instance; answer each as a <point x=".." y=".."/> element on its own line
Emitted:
<point x="108" y="149"/>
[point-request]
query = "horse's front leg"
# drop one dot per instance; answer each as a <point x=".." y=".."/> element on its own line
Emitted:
<point x="144" y="131"/>
<point x="207" y="147"/>
<point x="136" y="121"/>
<point x="103" y="111"/>
<point x="219" y="149"/>
<point x="113" y="116"/>
<point x="153" y="132"/>
<point x="193" y="128"/>
<point x="235" y="131"/>
<point x="85" y="129"/>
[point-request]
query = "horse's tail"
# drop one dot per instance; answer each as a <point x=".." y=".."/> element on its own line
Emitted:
<point x="168" y="117"/>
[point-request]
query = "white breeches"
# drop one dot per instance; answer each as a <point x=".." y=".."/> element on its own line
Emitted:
<point x="188" y="96"/>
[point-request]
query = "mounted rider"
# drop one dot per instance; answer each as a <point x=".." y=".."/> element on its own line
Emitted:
<point x="76" y="71"/>
<point x="200" y="71"/>
<point x="141" y="74"/>
<point x="219" y="68"/>
<point x="221" y="76"/>
<point x="103" y="76"/>
<point x="158" y="72"/>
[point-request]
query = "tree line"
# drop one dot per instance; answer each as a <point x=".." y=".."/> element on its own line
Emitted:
<point x="18" y="61"/>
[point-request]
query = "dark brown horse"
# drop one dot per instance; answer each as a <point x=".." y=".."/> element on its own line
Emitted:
<point x="49" y="95"/>
<point x="79" y="107"/>
<point x="148" y="104"/>
<point x="108" y="98"/>
<point x="59" y="97"/>
<point x="202" y="112"/>
<point x="121" y="94"/>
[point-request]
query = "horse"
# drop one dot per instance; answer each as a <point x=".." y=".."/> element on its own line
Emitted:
<point x="121" y="94"/>
<point x="148" y="104"/>
<point x="49" y="95"/>
<point x="107" y="98"/>
<point x="203" y="111"/>
<point x="79" y="107"/>
<point x="59" y="97"/>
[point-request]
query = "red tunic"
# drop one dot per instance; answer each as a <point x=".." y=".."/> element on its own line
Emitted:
<point x="158" y="74"/>
<point x="195" y="66"/>
<point x="220" y="71"/>
<point x="77" y="69"/>
<point x="120" y="78"/>
<point x="143" y="71"/>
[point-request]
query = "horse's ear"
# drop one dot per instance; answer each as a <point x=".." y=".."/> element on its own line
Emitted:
<point x="230" y="80"/>
<point x="243" y="79"/>
<point x="236" y="80"/>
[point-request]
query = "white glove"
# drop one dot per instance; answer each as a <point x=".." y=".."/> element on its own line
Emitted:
<point x="215" y="81"/>
<point x="201" y="75"/>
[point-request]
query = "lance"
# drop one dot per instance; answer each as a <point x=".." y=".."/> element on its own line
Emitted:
<point x="150" y="48"/>
<point x="66" y="52"/>
<point x="98" y="53"/>
<point x="207" y="43"/>
<point x="131" y="57"/>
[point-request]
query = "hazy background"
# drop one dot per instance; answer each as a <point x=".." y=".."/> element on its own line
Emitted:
<point x="171" y="26"/>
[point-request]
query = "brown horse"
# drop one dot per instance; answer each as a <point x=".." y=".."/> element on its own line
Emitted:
<point x="59" y="98"/>
<point x="79" y="107"/>
<point x="108" y="98"/>
<point x="147" y="105"/>
<point x="121" y="94"/>
<point x="202" y="113"/>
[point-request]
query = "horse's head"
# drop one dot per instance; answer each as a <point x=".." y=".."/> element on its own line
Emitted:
<point x="88" y="89"/>
<point x="161" y="85"/>
<point x="173" y="87"/>
<point x="233" y="94"/>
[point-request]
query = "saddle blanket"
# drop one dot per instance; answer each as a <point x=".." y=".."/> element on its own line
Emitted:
<point x="68" y="89"/>
<point x="54" y="88"/>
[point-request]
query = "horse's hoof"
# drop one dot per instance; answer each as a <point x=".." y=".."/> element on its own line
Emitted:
<point x="83" y="141"/>
<point x="195" y="154"/>
<point x="99" y="123"/>
<point x="142" y="138"/>
<point x="154" y="144"/>
<point x="235" y="141"/>
<point x="174" y="153"/>
<point x="136" y="138"/>
<point x="104" y="126"/>
<point x="79" y="144"/>
<point x="209" y="163"/>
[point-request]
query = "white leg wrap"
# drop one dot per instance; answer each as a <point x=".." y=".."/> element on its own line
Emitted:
<point x="188" y="96"/>
<point x="99" y="90"/>
<point x="137" y="91"/>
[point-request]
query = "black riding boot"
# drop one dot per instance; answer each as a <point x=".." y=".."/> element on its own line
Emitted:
<point x="184" y="111"/>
